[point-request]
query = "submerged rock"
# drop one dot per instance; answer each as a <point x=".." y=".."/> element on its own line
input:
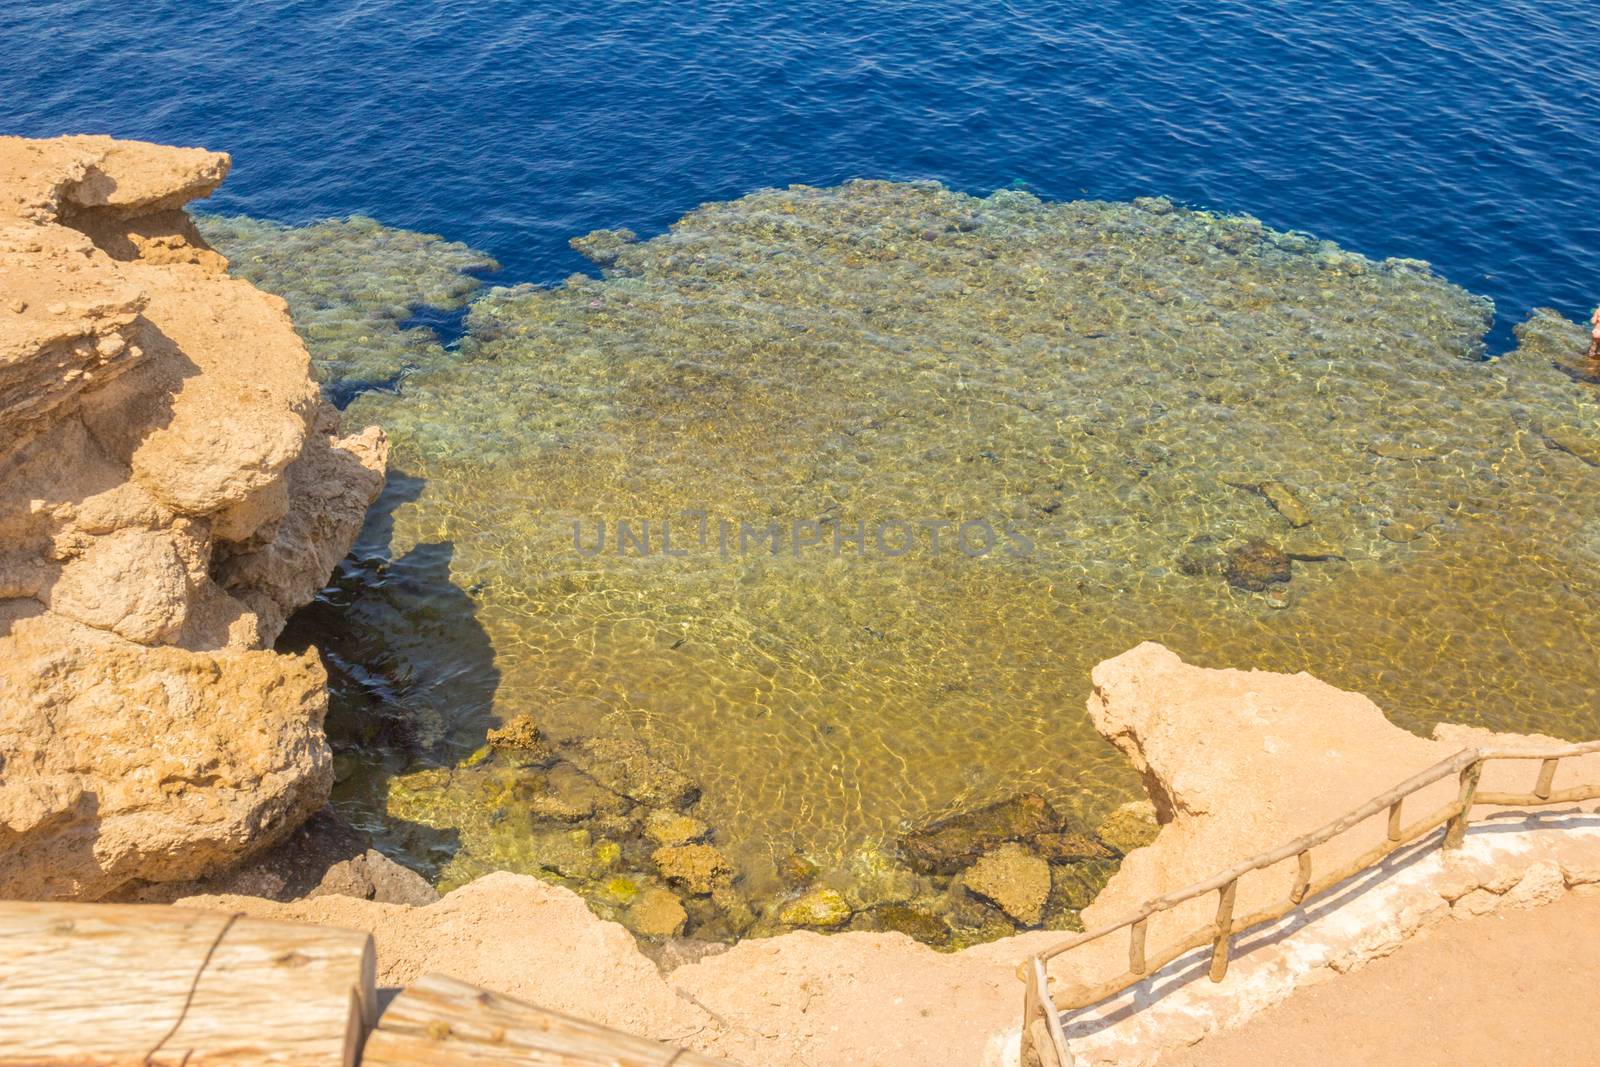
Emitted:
<point x="656" y="913"/>
<point x="1286" y="503"/>
<point x="624" y="766"/>
<point x="950" y="844"/>
<point x="520" y="737"/>
<point x="1255" y="564"/>
<point x="603" y="246"/>
<point x="1068" y="848"/>
<point x="913" y="922"/>
<point x="1016" y="880"/>
<point x="1132" y="825"/>
<point x="795" y="871"/>
<point x="1073" y="886"/>
<point x="821" y="907"/>
<point x="668" y="827"/>
<point x="697" y="868"/>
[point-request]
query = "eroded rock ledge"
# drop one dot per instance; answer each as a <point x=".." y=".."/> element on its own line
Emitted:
<point x="1237" y="762"/>
<point x="171" y="487"/>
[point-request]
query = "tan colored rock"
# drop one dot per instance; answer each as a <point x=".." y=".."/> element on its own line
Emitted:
<point x="1240" y="762"/>
<point x="1014" y="879"/>
<point x="667" y="827"/>
<point x="819" y="907"/>
<point x="171" y="487"/>
<point x="696" y="868"/>
<point x="1132" y="825"/>
<point x="656" y="913"/>
<point x="131" y="582"/>
<point x="126" y="763"/>
<point x="521" y="735"/>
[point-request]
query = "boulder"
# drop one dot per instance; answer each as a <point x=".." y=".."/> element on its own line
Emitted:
<point x="818" y="907"/>
<point x="1014" y="879"/>
<point x="127" y="764"/>
<point x="656" y="913"/>
<point x="697" y="868"/>
<point x="948" y="845"/>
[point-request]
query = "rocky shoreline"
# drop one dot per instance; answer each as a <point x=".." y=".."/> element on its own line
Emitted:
<point x="1236" y="760"/>
<point x="173" y="485"/>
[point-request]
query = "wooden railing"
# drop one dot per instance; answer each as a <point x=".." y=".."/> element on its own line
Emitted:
<point x="1043" y="1035"/>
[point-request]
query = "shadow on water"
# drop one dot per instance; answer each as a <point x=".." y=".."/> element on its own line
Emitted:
<point x="411" y="674"/>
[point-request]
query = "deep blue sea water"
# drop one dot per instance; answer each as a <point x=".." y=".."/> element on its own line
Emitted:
<point x="1464" y="132"/>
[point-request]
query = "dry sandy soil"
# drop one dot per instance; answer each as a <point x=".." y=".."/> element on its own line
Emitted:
<point x="1513" y="987"/>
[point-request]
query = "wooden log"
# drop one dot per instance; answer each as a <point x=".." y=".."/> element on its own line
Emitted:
<point x="1394" y="819"/>
<point x="1058" y="1053"/>
<point x="1573" y="795"/>
<point x="442" y="1022"/>
<point x="110" y="984"/>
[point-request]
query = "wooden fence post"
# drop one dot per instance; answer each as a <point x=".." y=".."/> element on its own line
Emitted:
<point x="1219" y="947"/>
<point x="1302" y="878"/>
<point x="1547" y="778"/>
<point x="1457" y="831"/>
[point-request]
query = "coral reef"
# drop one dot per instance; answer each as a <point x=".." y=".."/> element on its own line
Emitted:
<point x="171" y="486"/>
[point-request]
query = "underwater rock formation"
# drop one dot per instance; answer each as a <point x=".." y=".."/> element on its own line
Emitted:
<point x="171" y="486"/>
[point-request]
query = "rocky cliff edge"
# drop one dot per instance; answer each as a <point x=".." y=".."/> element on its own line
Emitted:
<point x="171" y="487"/>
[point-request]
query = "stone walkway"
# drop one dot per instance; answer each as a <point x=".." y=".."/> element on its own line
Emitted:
<point x="1508" y="988"/>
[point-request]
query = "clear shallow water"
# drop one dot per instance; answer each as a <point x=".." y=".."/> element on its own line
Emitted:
<point x="1460" y="131"/>
<point x="1118" y="383"/>
<point x="1126" y="421"/>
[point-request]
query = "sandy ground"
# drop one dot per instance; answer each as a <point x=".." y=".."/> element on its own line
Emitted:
<point x="1512" y="987"/>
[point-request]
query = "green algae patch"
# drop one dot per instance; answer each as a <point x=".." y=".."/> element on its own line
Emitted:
<point x="831" y="498"/>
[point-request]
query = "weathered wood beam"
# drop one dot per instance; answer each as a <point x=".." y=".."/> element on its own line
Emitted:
<point x="441" y="1022"/>
<point x="121" y="984"/>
